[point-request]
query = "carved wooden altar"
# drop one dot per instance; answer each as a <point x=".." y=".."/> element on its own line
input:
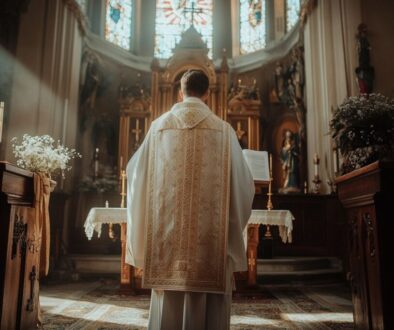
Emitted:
<point x="241" y="108"/>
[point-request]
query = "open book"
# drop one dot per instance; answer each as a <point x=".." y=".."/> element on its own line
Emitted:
<point x="258" y="164"/>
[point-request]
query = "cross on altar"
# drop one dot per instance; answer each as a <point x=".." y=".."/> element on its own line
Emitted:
<point x="193" y="11"/>
<point x="137" y="131"/>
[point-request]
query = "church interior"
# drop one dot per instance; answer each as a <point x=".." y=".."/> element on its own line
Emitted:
<point x="93" y="75"/>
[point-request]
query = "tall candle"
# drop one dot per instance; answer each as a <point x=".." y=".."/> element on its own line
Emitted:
<point x="270" y="169"/>
<point x="316" y="164"/>
<point x="123" y="181"/>
<point x="96" y="162"/>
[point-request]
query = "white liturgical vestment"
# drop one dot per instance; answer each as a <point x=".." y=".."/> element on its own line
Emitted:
<point x="189" y="198"/>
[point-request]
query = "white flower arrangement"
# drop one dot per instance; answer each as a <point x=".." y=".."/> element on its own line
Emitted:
<point x="38" y="154"/>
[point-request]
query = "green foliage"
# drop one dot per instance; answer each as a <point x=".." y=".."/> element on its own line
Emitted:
<point x="363" y="128"/>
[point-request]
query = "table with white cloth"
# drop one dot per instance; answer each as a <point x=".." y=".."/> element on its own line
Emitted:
<point x="98" y="216"/>
<point x="112" y="215"/>
<point x="281" y="218"/>
<point x="115" y="215"/>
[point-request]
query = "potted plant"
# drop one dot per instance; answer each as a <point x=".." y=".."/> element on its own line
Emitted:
<point x="363" y="128"/>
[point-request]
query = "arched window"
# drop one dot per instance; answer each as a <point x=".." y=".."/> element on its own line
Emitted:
<point x="118" y="19"/>
<point x="292" y="13"/>
<point x="175" y="16"/>
<point x="252" y="25"/>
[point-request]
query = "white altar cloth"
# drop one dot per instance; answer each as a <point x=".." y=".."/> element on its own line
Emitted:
<point x="281" y="218"/>
<point x="103" y="215"/>
<point x="99" y="215"/>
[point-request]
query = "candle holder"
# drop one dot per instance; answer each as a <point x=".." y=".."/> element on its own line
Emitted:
<point x="270" y="206"/>
<point x="316" y="184"/>
<point x="332" y="185"/>
<point x="316" y="181"/>
<point x="123" y="191"/>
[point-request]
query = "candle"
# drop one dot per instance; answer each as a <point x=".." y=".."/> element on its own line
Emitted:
<point x="121" y="163"/>
<point x="123" y="181"/>
<point x="270" y="165"/>
<point x="96" y="162"/>
<point x="316" y="164"/>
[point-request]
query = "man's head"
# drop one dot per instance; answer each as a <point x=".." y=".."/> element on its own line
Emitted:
<point x="194" y="83"/>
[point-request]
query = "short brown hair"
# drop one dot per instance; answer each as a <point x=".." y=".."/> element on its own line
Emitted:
<point x="194" y="83"/>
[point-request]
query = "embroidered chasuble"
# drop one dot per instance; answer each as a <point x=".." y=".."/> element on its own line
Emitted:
<point x="179" y="185"/>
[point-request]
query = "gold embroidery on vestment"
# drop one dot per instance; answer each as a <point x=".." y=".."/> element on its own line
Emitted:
<point x="186" y="238"/>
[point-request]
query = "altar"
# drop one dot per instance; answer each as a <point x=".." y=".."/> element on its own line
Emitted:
<point x="130" y="279"/>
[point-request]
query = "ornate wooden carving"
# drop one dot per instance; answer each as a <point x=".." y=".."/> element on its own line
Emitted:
<point x="367" y="195"/>
<point x="19" y="235"/>
<point x="33" y="278"/>
<point x="253" y="242"/>
<point x="16" y="200"/>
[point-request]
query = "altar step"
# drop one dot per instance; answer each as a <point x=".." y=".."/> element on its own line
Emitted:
<point x="298" y="269"/>
<point x="276" y="270"/>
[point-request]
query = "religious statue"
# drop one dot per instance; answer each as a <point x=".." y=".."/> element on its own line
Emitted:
<point x="290" y="164"/>
<point x="298" y="72"/>
<point x="91" y="77"/>
<point x="291" y="93"/>
<point x="279" y="80"/>
<point x="365" y="72"/>
<point x="299" y="110"/>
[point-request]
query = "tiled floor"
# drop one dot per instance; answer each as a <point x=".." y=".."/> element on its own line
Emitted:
<point x="97" y="305"/>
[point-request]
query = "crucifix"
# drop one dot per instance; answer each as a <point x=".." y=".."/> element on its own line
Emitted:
<point x="193" y="11"/>
<point x="137" y="131"/>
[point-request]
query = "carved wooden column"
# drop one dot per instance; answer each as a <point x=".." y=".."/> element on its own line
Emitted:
<point x="126" y="271"/>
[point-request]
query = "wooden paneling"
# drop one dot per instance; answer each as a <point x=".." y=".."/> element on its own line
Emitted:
<point x="19" y="250"/>
<point x="367" y="195"/>
<point x="319" y="226"/>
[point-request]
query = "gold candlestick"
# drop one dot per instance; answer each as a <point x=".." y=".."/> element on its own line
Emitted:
<point x="123" y="191"/>
<point x="270" y="206"/>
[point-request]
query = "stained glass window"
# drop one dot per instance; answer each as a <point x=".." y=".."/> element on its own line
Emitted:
<point x="252" y="25"/>
<point x="118" y="22"/>
<point x="292" y="13"/>
<point x="174" y="17"/>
